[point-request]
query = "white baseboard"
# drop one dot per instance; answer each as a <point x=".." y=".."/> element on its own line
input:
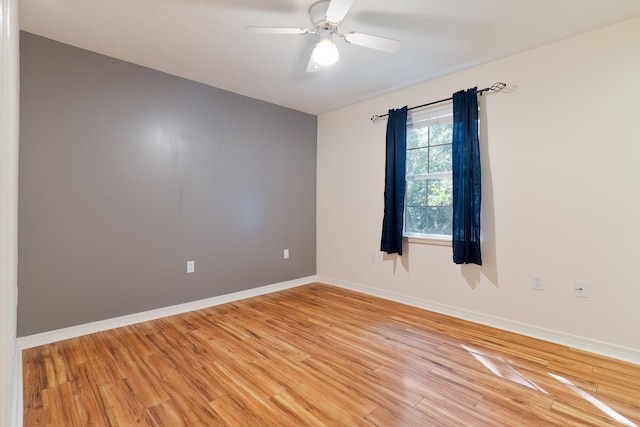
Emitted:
<point x="117" y="322"/>
<point x="557" y="337"/>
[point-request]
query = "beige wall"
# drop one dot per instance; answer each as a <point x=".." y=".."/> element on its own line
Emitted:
<point x="561" y="185"/>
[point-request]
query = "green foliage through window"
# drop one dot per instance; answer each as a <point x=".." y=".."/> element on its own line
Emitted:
<point x="428" y="200"/>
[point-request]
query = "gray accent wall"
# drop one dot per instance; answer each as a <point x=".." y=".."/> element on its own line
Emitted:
<point x="127" y="173"/>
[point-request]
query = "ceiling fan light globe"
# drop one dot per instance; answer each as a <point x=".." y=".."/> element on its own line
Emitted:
<point x="325" y="52"/>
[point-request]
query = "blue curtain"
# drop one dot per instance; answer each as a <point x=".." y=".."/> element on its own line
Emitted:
<point x="394" y="183"/>
<point x="466" y="178"/>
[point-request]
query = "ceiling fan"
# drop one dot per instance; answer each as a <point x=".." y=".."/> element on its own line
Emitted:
<point x="326" y="17"/>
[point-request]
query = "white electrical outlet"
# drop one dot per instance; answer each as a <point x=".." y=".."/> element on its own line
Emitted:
<point x="536" y="282"/>
<point x="373" y="258"/>
<point x="581" y="289"/>
<point x="191" y="266"/>
<point x="286" y="254"/>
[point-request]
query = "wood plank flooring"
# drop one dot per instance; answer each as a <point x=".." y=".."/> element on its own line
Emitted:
<point x="317" y="355"/>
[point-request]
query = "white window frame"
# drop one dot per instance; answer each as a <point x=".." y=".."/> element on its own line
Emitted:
<point x="436" y="113"/>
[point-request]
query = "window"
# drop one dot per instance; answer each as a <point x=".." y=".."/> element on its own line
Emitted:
<point x="428" y="201"/>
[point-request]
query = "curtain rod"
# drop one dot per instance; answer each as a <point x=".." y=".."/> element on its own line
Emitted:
<point x="494" y="87"/>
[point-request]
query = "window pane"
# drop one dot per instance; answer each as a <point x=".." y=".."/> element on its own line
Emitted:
<point x="439" y="220"/>
<point x="417" y="161"/>
<point x="428" y="202"/>
<point x="440" y="159"/>
<point x="417" y="137"/>
<point x="441" y="134"/>
<point x="416" y="193"/>
<point x="440" y="192"/>
<point x="415" y="220"/>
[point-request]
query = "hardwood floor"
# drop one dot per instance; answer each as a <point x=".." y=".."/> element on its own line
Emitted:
<point x="318" y="355"/>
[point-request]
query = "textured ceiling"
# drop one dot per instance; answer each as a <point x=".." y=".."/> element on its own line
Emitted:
<point x="205" y="40"/>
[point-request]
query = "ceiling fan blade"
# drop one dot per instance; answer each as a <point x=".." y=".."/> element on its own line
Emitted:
<point x="279" y="30"/>
<point x="337" y="10"/>
<point x="374" y="42"/>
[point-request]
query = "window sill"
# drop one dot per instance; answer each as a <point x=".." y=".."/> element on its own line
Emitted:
<point x="429" y="240"/>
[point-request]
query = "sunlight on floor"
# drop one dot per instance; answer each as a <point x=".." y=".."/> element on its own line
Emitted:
<point x="502" y="369"/>
<point x="595" y="402"/>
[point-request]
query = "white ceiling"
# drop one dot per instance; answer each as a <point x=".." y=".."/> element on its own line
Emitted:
<point x="205" y="40"/>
